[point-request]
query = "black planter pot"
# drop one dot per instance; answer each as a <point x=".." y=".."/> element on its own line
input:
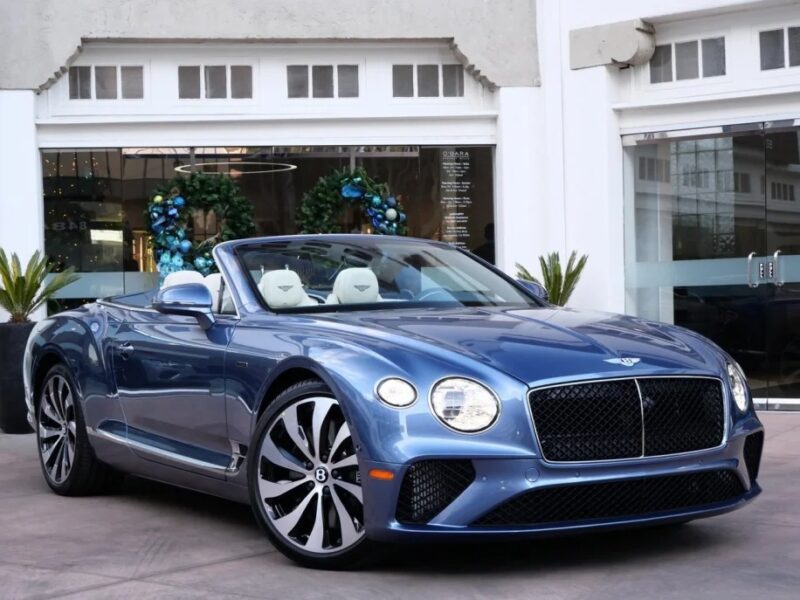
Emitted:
<point x="13" y="411"/>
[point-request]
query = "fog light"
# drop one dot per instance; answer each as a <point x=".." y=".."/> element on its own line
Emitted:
<point x="396" y="392"/>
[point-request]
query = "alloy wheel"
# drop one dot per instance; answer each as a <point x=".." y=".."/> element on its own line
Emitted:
<point x="308" y="477"/>
<point x="57" y="428"/>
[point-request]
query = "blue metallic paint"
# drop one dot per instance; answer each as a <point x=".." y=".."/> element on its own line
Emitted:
<point x="205" y="389"/>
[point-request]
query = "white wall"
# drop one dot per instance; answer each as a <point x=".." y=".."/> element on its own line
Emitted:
<point x="21" y="204"/>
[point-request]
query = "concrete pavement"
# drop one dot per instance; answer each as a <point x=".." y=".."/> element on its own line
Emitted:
<point x="153" y="541"/>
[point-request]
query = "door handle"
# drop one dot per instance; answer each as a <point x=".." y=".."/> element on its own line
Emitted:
<point x="750" y="282"/>
<point x="126" y="349"/>
<point x="777" y="274"/>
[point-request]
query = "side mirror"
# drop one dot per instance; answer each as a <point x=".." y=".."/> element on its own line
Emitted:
<point x="537" y="289"/>
<point x="187" y="299"/>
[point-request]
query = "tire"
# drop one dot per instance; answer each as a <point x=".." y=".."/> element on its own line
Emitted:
<point x="308" y="500"/>
<point x="68" y="462"/>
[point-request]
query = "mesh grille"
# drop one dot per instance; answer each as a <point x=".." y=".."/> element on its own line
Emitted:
<point x="591" y="421"/>
<point x="644" y="496"/>
<point x="603" y="420"/>
<point x="429" y="486"/>
<point x="752" y="454"/>
<point x="681" y="415"/>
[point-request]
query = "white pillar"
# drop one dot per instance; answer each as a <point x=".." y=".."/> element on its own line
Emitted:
<point x="21" y="203"/>
<point x="520" y="211"/>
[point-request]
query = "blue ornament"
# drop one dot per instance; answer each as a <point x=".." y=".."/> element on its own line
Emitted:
<point x="153" y="215"/>
<point x="177" y="261"/>
<point x="165" y="258"/>
<point x="375" y="222"/>
<point x="351" y="191"/>
<point x="185" y="246"/>
<point x="402" y="217"/>
<point x="391" y="202"/>
<point x="376" y="201"/>
<point x="200" y="263"/>
<point x="172" y="212"/>
<point x="179" y="201"/>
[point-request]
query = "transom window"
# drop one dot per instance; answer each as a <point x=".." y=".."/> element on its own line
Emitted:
<point x="688" y="60"/>
<point x="215" y="82"/>
<point x="321" y="83"/>
<point x="427" y="81"/>
<point x="776" y="53"/>
<point x="110" y="82"/>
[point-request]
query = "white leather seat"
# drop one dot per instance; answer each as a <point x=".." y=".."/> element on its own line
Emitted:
<point x="355" y="286"/>
<point x="181" y="277"/>
<point x="214" y="283"/>
<point x="283" y="289"/>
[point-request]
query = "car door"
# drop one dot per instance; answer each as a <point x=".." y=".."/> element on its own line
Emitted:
<point x="170" y="379"/>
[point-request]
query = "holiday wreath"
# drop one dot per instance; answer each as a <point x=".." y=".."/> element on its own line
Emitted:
<point x="321" y="207"/>
<point x="173" y="210"/>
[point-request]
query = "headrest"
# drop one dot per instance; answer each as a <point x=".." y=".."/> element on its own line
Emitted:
<point x="355" y="286"/>
<point x="283" y="289"/>
<point x="213" y="282"/>
<point x="181" y="277"/>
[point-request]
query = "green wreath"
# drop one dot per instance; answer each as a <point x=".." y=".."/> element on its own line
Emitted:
<point x="321" y="207"/>
<point x="171" y="212"/>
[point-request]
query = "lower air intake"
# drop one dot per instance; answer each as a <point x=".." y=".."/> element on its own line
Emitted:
<point x="752" y="454"/>
<point x="429" y="486"/>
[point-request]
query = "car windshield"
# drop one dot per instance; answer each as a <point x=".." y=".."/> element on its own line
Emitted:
<point x="318" y="274"/>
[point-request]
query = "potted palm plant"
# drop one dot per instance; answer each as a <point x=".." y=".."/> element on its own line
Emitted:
<point x="559" y="282"/>
<point x="21" y="293"/>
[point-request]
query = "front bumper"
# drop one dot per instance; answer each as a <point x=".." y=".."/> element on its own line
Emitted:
<point x="499" y="480"/>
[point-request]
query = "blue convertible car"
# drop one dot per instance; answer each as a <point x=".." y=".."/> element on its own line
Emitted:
<point x="365" y="389"/>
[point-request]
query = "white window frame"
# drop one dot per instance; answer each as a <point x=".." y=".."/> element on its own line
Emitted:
<point x="786" y="66"/>
<point x="701" y="77"/>
<point x="309" y="65"/>
<point x="227" y="63"/>
<point x="416" y="98"/>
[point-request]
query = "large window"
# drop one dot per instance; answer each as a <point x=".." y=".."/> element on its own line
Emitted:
<point x="95" y="200"/>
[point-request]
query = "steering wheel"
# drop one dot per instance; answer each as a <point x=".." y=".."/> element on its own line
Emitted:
<point x="432" y="293"/>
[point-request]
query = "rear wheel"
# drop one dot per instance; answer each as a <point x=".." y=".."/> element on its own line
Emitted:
<point x="68" y="461"/>
<point x="304" y="480"/>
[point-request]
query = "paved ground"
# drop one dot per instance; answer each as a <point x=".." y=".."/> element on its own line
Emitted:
<point x="153" y="541"/>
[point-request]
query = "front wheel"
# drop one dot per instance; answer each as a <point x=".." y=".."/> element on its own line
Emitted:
<point x="305" y="485"/>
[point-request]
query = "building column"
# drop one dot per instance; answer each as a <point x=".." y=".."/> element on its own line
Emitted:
<point x="520" y="210"/>
<point x="21" y="204"/>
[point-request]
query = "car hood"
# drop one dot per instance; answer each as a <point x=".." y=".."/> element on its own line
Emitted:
<point x="547" y="343"/>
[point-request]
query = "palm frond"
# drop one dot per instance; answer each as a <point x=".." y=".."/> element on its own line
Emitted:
<point x="559" y="282"/>
<point x="23" y="291"/>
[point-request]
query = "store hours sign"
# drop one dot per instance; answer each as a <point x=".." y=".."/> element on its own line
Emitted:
<point x="455" y="196"/>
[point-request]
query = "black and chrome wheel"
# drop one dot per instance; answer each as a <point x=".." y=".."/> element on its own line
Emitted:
<point x="304" y="479"/>
<point x="68" y="462"/>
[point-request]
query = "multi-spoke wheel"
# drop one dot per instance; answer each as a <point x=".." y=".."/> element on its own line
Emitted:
<point x="57" y="428"/>
<point x="304" y="479"/>
<point x="68" y="462"/>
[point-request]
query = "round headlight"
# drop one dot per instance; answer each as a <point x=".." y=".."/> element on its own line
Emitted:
<point x="396" y="392"/>
<point x="738" y="385"/>
<point x="464" y="405"/>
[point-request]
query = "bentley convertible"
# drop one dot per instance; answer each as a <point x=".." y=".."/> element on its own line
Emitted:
<point x="357" y="390"/>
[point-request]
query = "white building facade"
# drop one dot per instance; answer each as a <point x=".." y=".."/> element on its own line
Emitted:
<point x="657" y="137"/>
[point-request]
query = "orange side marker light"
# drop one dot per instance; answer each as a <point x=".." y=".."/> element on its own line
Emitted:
<point x="381" y="474"/>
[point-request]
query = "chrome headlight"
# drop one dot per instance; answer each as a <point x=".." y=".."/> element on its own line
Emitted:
<point x="464" y="405"/>
<point x="396" y="392"/>
<point x="738" y="384"/>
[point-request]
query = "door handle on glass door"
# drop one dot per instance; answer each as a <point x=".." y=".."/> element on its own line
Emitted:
<point x="777" y="276"/>
<point x="750" y="282"/>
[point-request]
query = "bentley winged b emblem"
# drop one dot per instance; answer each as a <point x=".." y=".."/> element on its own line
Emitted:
<point x="627" y="361"/>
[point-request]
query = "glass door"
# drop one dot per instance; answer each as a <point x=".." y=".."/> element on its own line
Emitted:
<point x="782" y="264"/>
<point x="696" y="240"/>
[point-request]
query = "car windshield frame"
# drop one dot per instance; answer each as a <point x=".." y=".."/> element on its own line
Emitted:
<point x="531" y="301"/>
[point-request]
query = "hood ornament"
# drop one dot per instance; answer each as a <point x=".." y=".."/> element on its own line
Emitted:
<point x="627" y="361"/>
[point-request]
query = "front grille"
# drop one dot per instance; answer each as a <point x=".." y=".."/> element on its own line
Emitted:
<point x="752" y="454"/>
<point x="628" y="418"/>
<point x="615" y="499"/>
<point x="429" y="486"/>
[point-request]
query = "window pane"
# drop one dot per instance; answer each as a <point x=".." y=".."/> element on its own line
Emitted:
<point x="241" y="81"/>
<point x="105" y="83"/>
<point x="686" y="64"/>
<point x="452" y="80"/>
<point x="714" y="57"/>
<point x="427" y="81"/>
<point x="403" y="81"/>
<point x="80" y="86"/>
<point x="188" y="82"/>
<point x="348" y="81"/>
<point x="216" y="82"/>
<point x="794" y="46"/>
<point x="771" y="49"/>
<point x="132" y="82"/>
<point x="322" y="81"/>
<point x="661" y="64"/>
<point x="297" y="81"/>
